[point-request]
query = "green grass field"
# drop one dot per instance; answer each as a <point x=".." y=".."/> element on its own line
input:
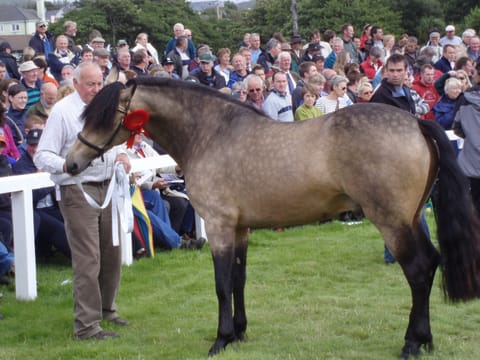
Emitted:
<point x="315" y="292"/>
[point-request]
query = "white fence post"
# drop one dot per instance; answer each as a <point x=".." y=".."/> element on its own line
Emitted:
<point x="25" y="265"/>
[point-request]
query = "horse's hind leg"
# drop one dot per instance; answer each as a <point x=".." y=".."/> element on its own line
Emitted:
<point x="419" y="260"/>
<point x="239" y="279"/>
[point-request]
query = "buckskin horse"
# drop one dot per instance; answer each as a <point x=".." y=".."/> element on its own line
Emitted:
<point x="266" y="174"/>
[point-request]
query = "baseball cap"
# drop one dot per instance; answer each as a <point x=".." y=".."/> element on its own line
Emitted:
<point x="122" y="43"/>
<point x="206" y="57"/>
<point x="33" y="136"/>
<point x="42" y="22"/>
<point x="167" y="61"/>
<point x="450" y="28"/>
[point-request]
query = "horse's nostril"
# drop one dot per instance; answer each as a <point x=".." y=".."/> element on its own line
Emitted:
<point x="72" y="169"/>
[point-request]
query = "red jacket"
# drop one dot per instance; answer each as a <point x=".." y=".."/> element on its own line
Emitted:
<point x="429" y="94"/>
<point x="369" y="69"/>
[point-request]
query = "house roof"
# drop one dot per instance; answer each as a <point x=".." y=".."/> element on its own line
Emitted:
<point x="10" y="13"/>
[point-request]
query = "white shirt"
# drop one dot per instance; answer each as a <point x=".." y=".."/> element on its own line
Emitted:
<point x="58" y="137"/>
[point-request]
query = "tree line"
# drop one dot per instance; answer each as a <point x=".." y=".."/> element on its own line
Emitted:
<point x="124" y="19"/>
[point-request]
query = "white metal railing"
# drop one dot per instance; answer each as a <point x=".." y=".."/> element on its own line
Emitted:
<point x="21" y="186"/>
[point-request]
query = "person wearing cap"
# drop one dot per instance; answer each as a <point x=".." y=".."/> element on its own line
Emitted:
<point x="207" y="75"/>
<point x="60" y="57"/>
<point x="102" y="57"/>
<point x="97" y="42"/>
<point x="169" y="67"/>
<point x="30" y="80"/>
<point x="42" y="71"/>
<point x="312" y="50"/>
<point x="42" y="41"/>
<point x="89" y="230"/>
<point x="48" y="221"/>
<point x="296" y="51"/>
<point x="9" y="60"/>
<point x="450" y="38"/>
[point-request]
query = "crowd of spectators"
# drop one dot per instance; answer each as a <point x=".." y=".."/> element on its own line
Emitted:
<point x="289" y="80"/>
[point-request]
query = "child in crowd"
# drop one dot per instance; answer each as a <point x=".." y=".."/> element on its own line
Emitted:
<point x="308" y="110"/>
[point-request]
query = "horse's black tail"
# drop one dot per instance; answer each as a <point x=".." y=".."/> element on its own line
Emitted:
<point x="457" y="222"/>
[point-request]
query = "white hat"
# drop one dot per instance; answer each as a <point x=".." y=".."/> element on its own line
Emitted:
<point x="27" y="66"/>
<point x="450" y="28"/>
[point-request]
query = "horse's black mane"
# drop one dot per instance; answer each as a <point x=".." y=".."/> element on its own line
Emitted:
<point x="100" y="112"/>
<point x="199" y="89"/>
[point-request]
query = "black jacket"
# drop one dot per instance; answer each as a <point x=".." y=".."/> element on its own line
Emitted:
<point x="10" y="64"/>
<point x="385" y="95"/>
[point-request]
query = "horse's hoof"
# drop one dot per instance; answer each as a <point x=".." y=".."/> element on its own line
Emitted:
<point x="410" y="349"/>
<point x="219" y="345"/>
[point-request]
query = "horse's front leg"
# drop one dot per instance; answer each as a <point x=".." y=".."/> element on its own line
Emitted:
<point x="239" y="279"/>
<point x="222" y="246"/>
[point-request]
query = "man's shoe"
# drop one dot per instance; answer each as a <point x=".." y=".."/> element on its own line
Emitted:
<point x="104" y="335"/>
<point x="197" y="244"/>
<point x="119" y="321"/>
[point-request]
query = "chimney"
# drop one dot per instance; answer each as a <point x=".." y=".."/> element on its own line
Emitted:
<point x="41" y="9"/>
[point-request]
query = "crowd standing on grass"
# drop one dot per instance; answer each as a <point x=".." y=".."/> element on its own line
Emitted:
<point x="289" y="80"/>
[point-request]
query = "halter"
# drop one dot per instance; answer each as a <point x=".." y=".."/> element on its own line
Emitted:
<point x="133" y="121"/>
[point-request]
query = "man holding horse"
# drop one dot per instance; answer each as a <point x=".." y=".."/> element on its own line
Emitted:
<point x="96" y="260"/>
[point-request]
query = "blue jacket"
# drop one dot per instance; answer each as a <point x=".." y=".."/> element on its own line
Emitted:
<point x="443" y="65"/>
<point x="40" y="46"/>
<point x="444" y="111"/>
<point x="191" y="51"/>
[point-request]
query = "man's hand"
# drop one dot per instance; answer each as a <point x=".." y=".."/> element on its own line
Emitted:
<point x="123" y="158"/>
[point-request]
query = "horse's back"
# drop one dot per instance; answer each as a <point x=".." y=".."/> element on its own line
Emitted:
<point x="301" y="172"/>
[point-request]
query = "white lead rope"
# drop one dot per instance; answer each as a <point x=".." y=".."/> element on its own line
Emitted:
<point x="119" y="193"/>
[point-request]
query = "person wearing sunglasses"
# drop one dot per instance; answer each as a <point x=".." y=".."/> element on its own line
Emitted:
<point x="255" y="91"/>
<point x="335" y="99"/>
<point x="43" y="40"/>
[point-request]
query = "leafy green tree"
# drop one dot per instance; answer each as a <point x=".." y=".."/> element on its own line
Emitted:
<point x="472" y="20"/>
